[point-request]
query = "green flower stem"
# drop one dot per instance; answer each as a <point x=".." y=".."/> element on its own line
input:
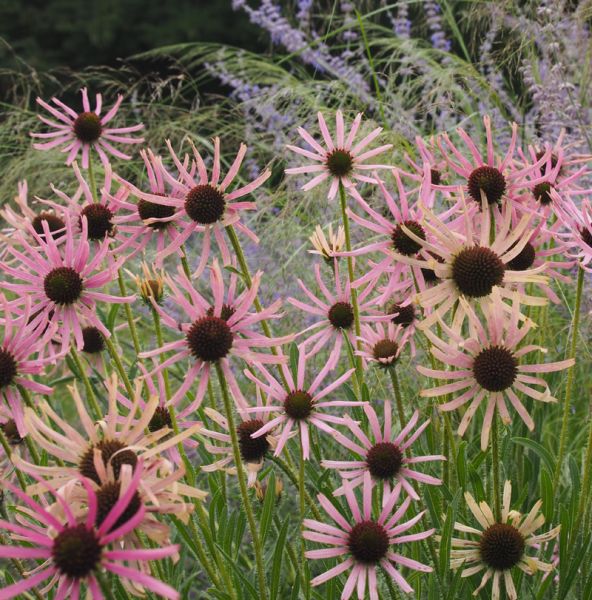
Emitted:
<point x="90" y="393"/>
<point x="160" y="342"/>
<point x="350" y="272"/>
<point x="301" y="490"/>
<point x="397" y="390"/>
<point x="119" y="366"/>
<point x="30" y="446"/>
<point x="242" y="261"/>
<point x="497" y="504"/>
<point x="91" y="177"/>
<point x="243" y="485"/>
<point x="185" y="264"/>
<point x="128" y="312"/>
<point x="287" y="469"/>
<point x="570" y="377"/>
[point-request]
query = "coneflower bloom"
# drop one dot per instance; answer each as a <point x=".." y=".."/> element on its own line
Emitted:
<point x="336" y="312"/>
<point x="365" y="543"/>
<point x="500" y="545"/>
<point x="120" y="440"/>
<point x="578" y="234"/>
<point x="252" y="450"/>
<point x="341" y="159"/>
<point x="73" y="551"/>
<point x="214" y="332"/>
<point x="202" y="202"/>
<point x="489" y="177"/>
<point x="20" y="221"/>
<point x="383" y="345"/>
<point x="22" y="339"/>
<point x="63" y="286"/>
<point x="298" y="405"/>
<point x="467" y="265"/>
<point x="328" y="246"/>
<point x="142" y="221"/>
<point x="489" y="366"/>
<point x="85" y="131"/>
<point x="100" y="215"/>
<point x="430" y="171"/>
<point x="385" y="455"/>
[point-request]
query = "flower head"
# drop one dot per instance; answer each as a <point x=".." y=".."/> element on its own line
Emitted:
<point x="342" y="159"/>
<point x="81" y="132"/>
<point x="501" y="544"/>
<point x="384" y="455"/>
<point x="328" y="246"/>
<point x="489" y="366"/>
<point x="365" y="542"/>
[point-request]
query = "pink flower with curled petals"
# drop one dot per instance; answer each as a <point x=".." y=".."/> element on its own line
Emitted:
<point x="201" y="202"/>
<point x="336" y="313"/>
<point x="22" y="338"/>
<point x="384" y="455"/>
<point x="85" y="131"/>
<point x="382" y="345"/>
<point x="578" y="234"/>
<point x="299" y="405"/>
<point x="214" y="332"/>
<point x="489" y="367"/>
<point x="62" y="282"/>
<point x="365" y="543"/>
<point x="342" y="159"/>
<point x="73" y="551"/>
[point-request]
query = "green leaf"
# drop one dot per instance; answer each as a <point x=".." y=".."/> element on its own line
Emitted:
<point x="268" y="507"/>
<point x="547" y="494"/>
<point x="539" y="450"/>
<point x="294" y="355"/>
<point x="276" y="568"/>
<point x="461" y="464"/>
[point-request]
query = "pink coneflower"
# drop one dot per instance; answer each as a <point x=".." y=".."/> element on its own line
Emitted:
<point x="143" y="221"/>
<point x="386" y="457"/>
<point x="298" y="405"/>
<point x="488" y="176"/>
<point x="431" y="171"/>
<point x="501" y="545"/>
<point x="73" y="551"/>
<point x="468" y="266"/>
<point x="252" y="450"/>
<point x="100" y="215"/>
<point x="215" y="332"/>
<point x="490" y="364"/>
<point x="63" y="286"/>
<point x="342" y="159"/>
<point x="365" y="543"/>
<point x="578" y="237"/>
<point x="22" y="339"/>
<point x="337" y="313"/>
<point x="330" y="245"/>
<point x="382" y="345"/>
<point x="85" y="131"/>
<point x="203" y="203"/>
<point x="120" y="440"/>
<point x="20" y="221"/>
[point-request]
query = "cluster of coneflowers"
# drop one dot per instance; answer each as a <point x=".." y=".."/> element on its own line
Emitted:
<point x="458" y="246"/>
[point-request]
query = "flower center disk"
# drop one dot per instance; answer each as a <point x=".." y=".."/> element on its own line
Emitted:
<point x="501" y="546"/>
<point x="489" y="180"/>
<point x="54" y="223"/>
<point x="63" y="285"/>
<point x="252" y="449"/>
<point x="8" y="368"/>
<point x="153" y="210"/>
<point x="339" y="162"/>
<point x="385" y="351"/>
<point x="368" y="542"/>
<point x="107" y="497"/>
<point x="542" y="193"/>
<point x="476" y="270"/>
<point x="93" y="340"/>
<point x="524" y="260"/>
<point x="10" y="431"/>
<point x="384" y="460"/>
<point x="112" y="451"/>
<point x="341" y="315"/>
<point x="403" y="243"/>
<point x="298" y="405"/>
<point x="204" y="204"/>
<point x="87" y="127"/>
<point x="495" y="368"/>
<point x="98" y="218"/>
<point x="160" y="419"/>
<point x="210" y="339"/>
<point x="404" y="315"/>
<point x="225" y="314"/>
<point x="76" y="551"/>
